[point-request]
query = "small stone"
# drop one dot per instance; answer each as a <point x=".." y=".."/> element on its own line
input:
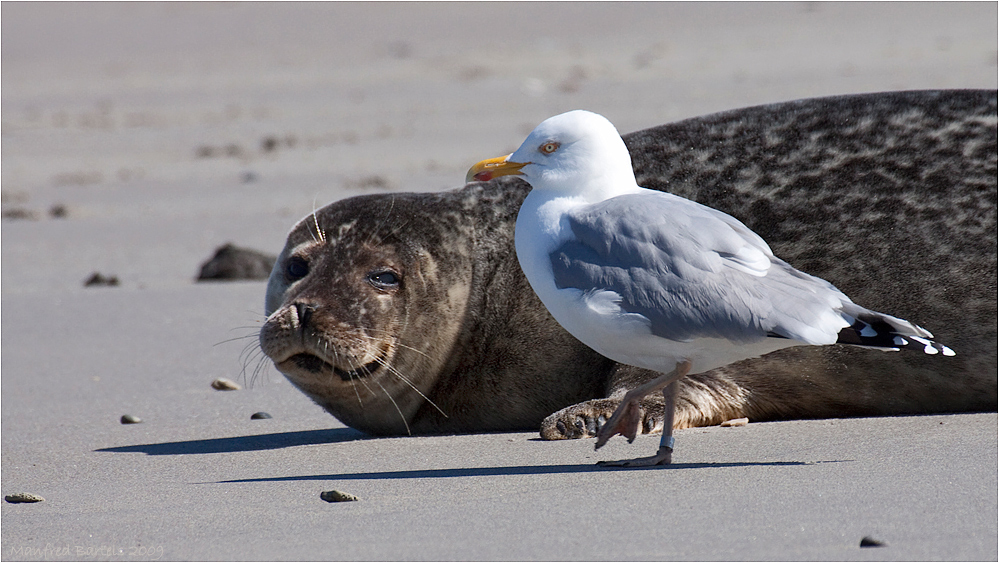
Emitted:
<point x="130" y="419"/>
<point x="337" y="496"/>
<point x="260" y="416"/>
<point x="17" y="498"/>
<point x="223" y="384"/>
<point x="98" y="278"/>
<point x="735" y="422"/>
<point x="18" y="213"/>
<point x="868" y="541"/>
<point x="58" y="211"/>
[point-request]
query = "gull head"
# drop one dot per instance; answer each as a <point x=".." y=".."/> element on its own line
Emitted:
<point x="574" y="153"/>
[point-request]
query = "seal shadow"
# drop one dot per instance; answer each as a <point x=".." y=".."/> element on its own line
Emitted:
<point x="256" y="442"/>
<point x="519" y="470"/>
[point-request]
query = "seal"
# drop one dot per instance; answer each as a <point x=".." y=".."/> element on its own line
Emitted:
<point x="408" y="313"/>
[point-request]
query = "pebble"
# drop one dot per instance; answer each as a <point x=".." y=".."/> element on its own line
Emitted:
<point x="260" y="416"/>
<point x="868" y="541"/>
<point x="18" y="213"/>
<point x="337" y="496"/>
<point x="98" y="278"/>
<point x="735" y="422"/>
<point x="130" y="419"/>
<point x="58" y="211"/>
<point x="223" y="384"/>
<point x="17" y="498"/>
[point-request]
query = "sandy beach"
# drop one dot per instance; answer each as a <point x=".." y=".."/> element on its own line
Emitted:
<point x="139" y="137"/>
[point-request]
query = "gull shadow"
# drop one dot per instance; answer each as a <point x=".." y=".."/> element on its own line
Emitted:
<point x="516" y="470"/>
<point x="257" y="442"/>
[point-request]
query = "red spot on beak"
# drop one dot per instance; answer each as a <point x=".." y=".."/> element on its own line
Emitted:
<point x="483" y="176"/>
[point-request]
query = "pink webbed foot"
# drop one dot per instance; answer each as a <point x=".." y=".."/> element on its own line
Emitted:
<point x="627" y="417"/>
<point x="626" y="421"/>
<point x="663" y="457"/>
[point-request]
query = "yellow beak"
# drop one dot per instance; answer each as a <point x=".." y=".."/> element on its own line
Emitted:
<point x="492" y="168"/>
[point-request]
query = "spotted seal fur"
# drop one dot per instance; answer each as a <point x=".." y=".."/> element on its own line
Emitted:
<point x="408" y="313"/>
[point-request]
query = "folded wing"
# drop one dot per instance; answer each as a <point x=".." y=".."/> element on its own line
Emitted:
<point x="693" y="272"/>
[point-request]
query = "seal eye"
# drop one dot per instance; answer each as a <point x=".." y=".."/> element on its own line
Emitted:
<point x="384" y="279"/>
<point x="549" y="147"/>
<point x="296" y="268"/>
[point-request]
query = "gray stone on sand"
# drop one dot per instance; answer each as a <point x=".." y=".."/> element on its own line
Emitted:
<point x="231" y="262"/>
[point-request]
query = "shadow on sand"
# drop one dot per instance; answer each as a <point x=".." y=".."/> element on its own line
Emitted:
<point x="257" y="442"/>
<point x="517" y="470"/>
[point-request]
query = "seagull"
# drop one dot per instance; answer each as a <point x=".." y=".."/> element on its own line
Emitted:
<point x="653" y="280"/>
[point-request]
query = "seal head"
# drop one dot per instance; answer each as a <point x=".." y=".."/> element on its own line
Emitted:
<point x="407" y="313"/>
<point x="340" y="305"/>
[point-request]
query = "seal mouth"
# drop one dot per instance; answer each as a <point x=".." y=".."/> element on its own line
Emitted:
<point x="314" y="364"/>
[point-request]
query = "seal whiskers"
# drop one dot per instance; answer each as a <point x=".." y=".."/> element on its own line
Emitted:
<point x="360" y="402"/>
<point x="396" y="342"/>
<point x="253" y="355"/>
<point x="382" y="361"/>
<point x="399" y="374"/>
<point x="319" y="232"/>
<point x="250" y="353"/>
<point x="363" y="368"/>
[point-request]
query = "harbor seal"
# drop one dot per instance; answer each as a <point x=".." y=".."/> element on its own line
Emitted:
<point x="407" y="313"/>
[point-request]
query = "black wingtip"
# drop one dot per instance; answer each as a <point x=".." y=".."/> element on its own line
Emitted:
<point x="878" y="333"/>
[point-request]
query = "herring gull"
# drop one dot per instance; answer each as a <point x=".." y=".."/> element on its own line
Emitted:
<point x="657" y="281"/>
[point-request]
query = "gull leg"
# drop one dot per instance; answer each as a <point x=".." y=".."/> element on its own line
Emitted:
<point x="666" y="443"/>
<point x="626" y="419"/>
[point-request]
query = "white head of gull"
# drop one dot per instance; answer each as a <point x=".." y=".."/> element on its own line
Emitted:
<point x="578" y="153"/>
<point x="657" y="281"/>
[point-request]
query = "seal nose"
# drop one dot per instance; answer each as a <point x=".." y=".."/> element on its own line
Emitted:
<point x="304" y="311"/>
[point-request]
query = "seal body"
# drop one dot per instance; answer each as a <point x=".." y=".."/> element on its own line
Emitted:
<point x="891" y="197"/>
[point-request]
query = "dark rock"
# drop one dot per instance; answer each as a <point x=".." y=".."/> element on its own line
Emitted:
<point x="58" y="211"/>
<point x="98" y="278"/>
<point x="234" y="263"/>
<point x="18" y="498"/>
<point x="20" y="213"/>
<point x="868" y="541"/>
<point x="337" y="496"/>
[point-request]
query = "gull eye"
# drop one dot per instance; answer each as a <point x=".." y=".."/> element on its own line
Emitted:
<point x="548" y="147"/>
<point x="384" y="279"/>
<point x="296" y="268"/>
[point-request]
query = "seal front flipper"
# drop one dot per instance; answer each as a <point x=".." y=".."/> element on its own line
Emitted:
<point x="584" y="420"/>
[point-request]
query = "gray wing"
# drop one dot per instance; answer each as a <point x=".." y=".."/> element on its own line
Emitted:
<point x="693" y="272"/>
